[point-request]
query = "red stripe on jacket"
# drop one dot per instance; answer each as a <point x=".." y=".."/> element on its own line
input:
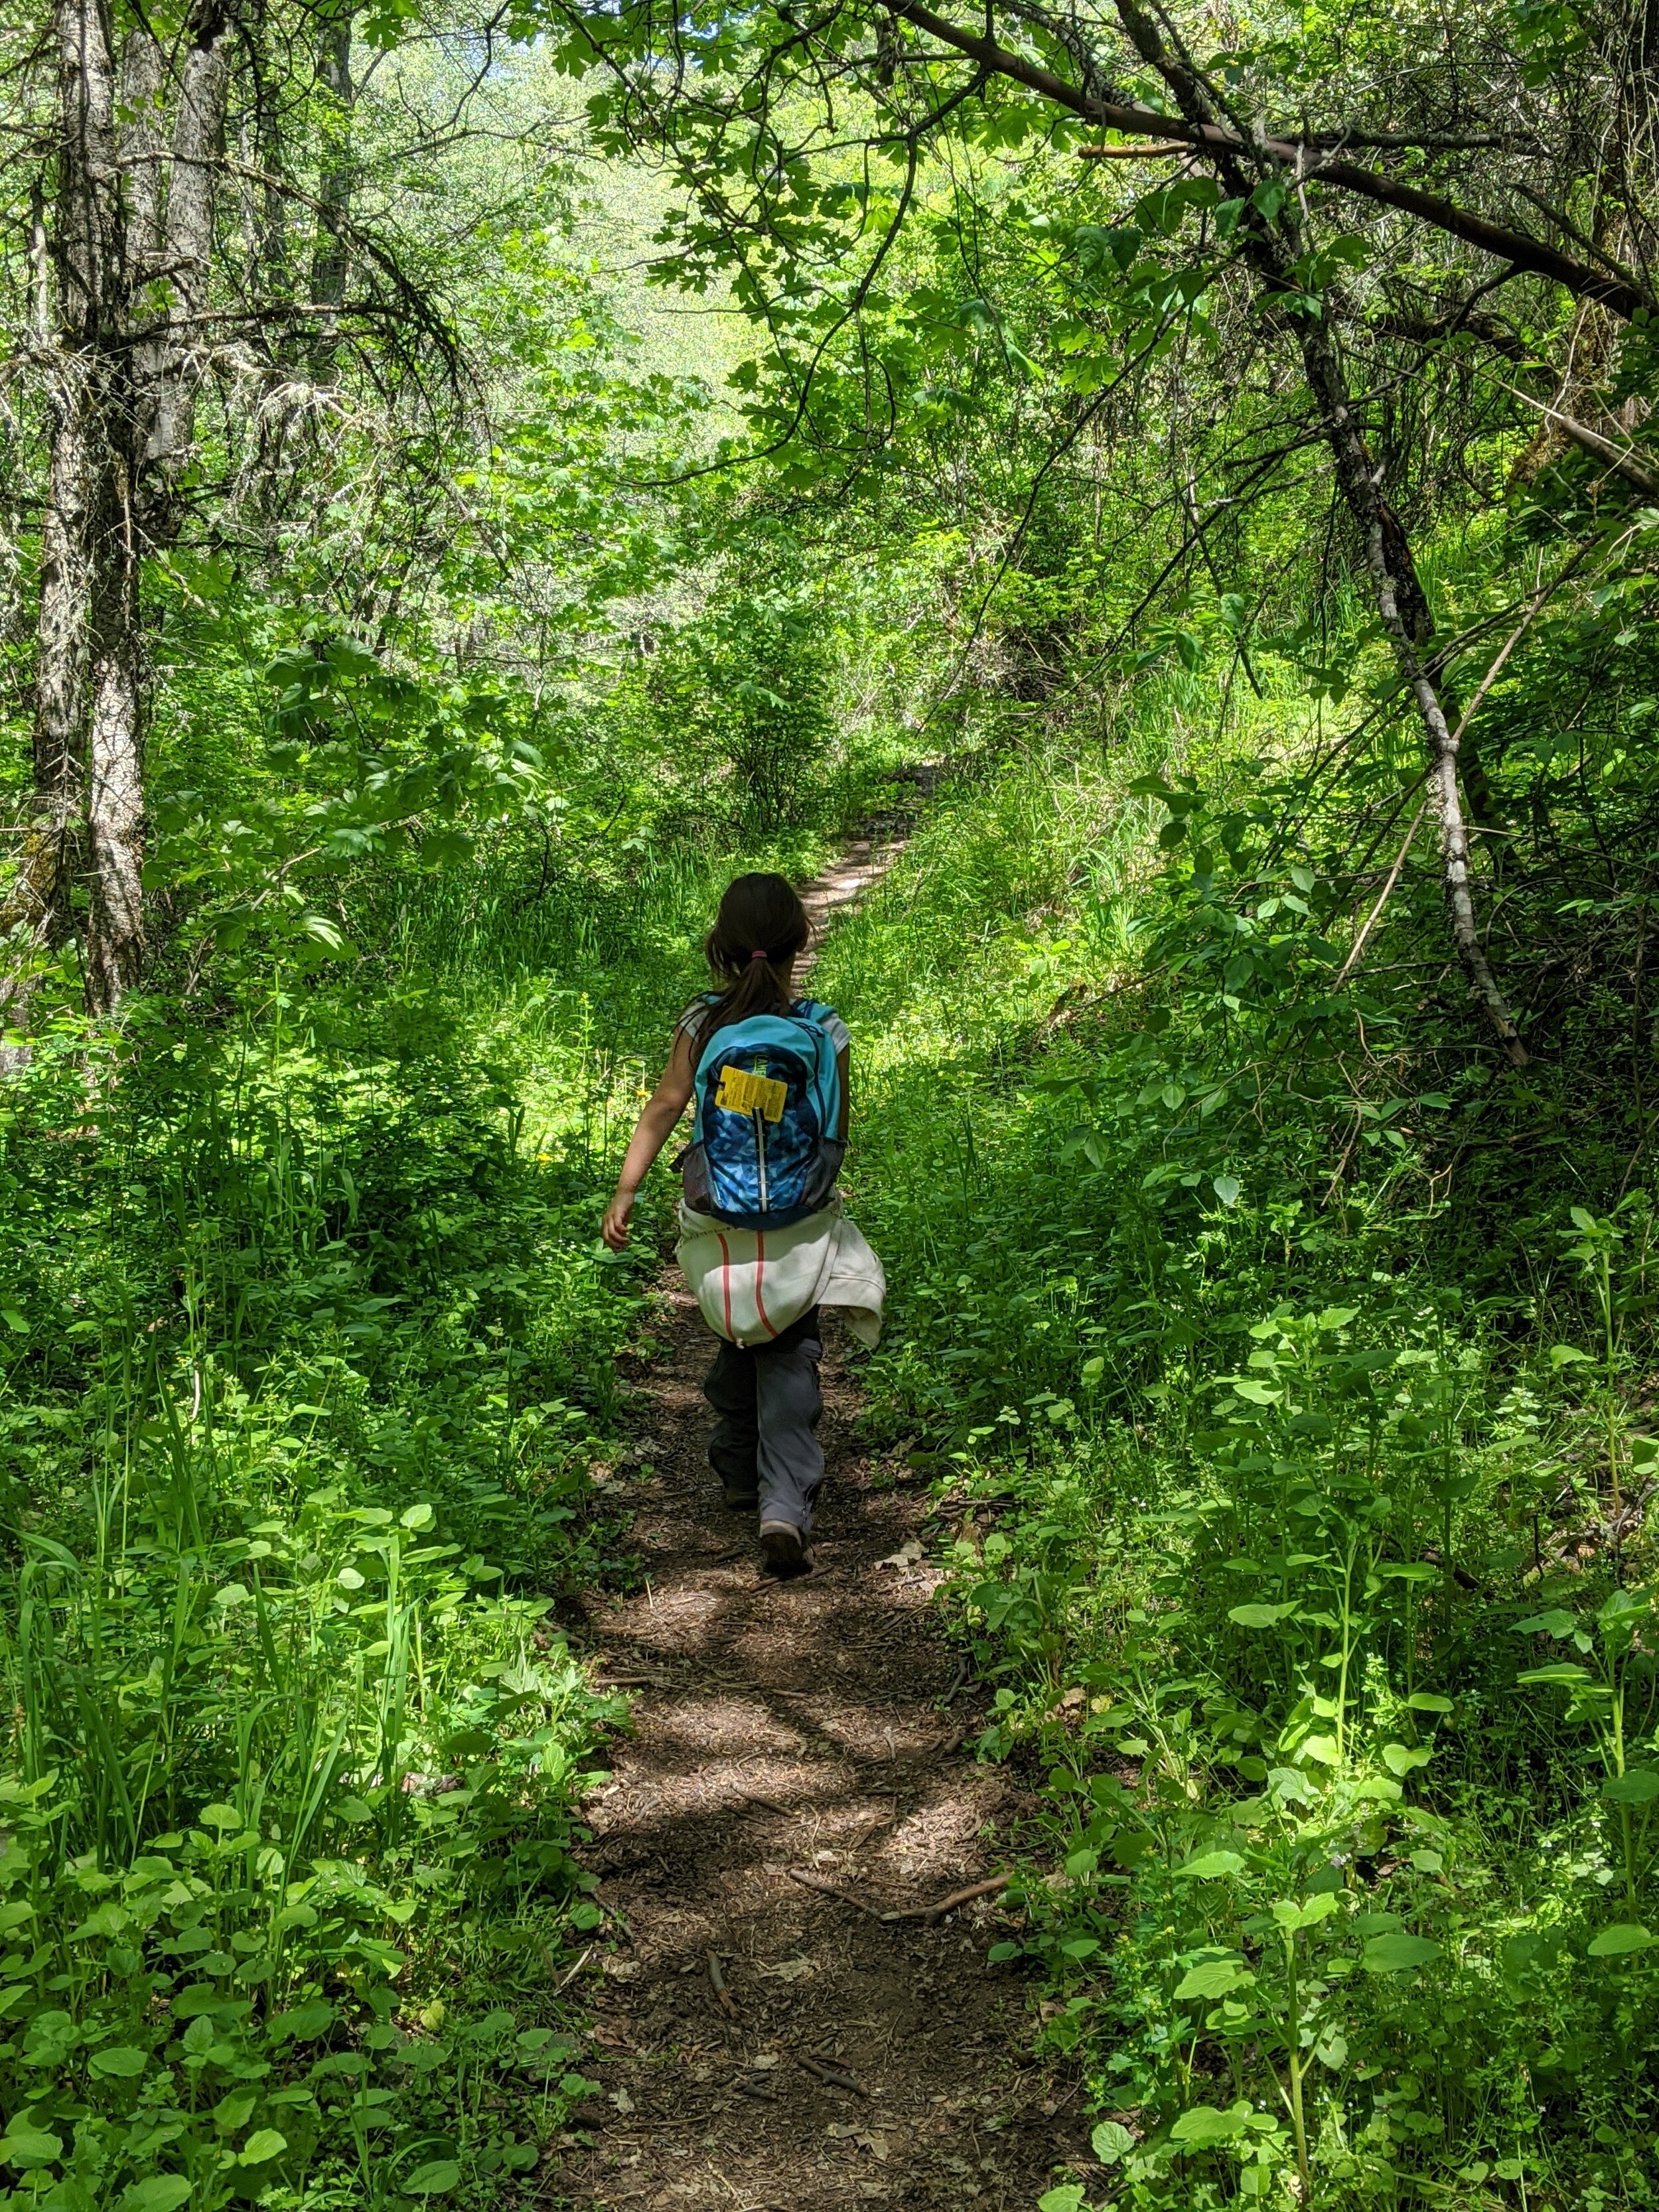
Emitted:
<point x="760" y="1269"/>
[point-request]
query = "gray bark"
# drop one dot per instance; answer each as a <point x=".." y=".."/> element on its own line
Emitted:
<point x="121" y="280"/>
<point x="187" y="258"/>
<point x="328" y="260"/>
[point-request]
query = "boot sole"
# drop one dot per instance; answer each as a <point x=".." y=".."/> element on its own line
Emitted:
<point x="784" y="1554"/>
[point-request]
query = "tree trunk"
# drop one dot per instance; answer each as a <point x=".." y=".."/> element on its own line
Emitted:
<point x="188" y="259"/>
<point x="328" y="260"/>
<point x="121" y="278"/>
<point x="1400" y="600"/>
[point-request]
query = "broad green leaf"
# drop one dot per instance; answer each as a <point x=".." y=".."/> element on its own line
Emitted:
<point x="1203" y="2124"/>
<point x="1110" y="2141"/>
<point x="1210" y="1866"/>
<point x="1214" y="1979"/>
<point x="263" y="2144"/>
<point x="122" y="2062"/>
<point x="1620" y="1940"/>
<point x="1261" y="1616"/>
<point x="1226" y="1188"/>
<point x="1568" y="1355"/>
<point x="1397" y="1953"/>
<point x="1068" y="2198"/>
<point x="1401" y="1758"/>
<point x="1639" y="1787"/>
<point x="435" y="2179"/>
<point x="162" y="2192"/>
<point x="1421" y="1701"/>
<point x="1291" y="1916"/>
<point x="24" y="2146"/>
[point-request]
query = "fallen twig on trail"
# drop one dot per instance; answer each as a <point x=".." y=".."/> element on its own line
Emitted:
<point x="955" y="1740"/>
<point x="832" y="2075"/>
<point x="962" y="1676"/>
<point x="950" y="1903"/>
<point x="754" y="1797"/>
<point x="816" y="1881"/>
<point x="625" y="1681"/>
<point x="727" y="2003"/>
<point x="747" y="2088"/>
<point x="565" y="1980"/>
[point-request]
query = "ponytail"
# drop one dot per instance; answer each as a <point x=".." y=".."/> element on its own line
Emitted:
<point x="761" y="927"/>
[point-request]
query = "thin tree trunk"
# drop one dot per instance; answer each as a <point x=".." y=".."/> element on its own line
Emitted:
<point x="188" y="259"/>
<point x="88" y="730"/>
<point x="328" y="260"/>
<point x="1400" y="600"/>
<point x="128" y="257"/>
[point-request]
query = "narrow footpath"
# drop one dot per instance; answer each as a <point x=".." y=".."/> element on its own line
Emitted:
<point x="801" y="1766"/>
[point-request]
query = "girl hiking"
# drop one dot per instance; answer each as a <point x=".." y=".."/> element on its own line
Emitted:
<point x="763" y="1242"/>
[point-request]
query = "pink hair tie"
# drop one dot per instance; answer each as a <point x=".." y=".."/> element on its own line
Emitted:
<point x="760" y="956"/>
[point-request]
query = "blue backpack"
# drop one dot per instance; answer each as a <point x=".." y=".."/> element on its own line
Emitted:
<point x="764" y="1152"/>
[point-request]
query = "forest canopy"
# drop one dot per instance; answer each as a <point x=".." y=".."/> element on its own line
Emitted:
<point x="473" y="481"/>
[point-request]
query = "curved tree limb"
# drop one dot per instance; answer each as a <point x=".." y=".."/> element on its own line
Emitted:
<point x="1312" y="161"/>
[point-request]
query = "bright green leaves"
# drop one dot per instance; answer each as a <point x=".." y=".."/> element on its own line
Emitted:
<point x="1547" y="33"/>
<point x="1623" y="1941"/>
<point x="1211" y="1866"/>
<point x="434" y="2178"/>
<point x="1398" y="1952"/>
<point x="1261" y="1616"/>
<point x="1110" y="2141"/>
<point x="120" y="2061"/>
<point x="1203" y="2126"/>
<point x="28" y="2147"/>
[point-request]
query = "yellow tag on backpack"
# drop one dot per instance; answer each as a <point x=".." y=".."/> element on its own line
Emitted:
<point x="743" y="1093"/>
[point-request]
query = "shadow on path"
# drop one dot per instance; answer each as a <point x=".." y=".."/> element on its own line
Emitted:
<point x="798" y="1725"/>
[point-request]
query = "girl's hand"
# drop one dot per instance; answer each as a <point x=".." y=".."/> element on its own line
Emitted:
<point x="614" y="1227"/>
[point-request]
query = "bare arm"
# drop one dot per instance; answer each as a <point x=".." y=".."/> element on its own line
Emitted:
<point x="655" y="1128"/>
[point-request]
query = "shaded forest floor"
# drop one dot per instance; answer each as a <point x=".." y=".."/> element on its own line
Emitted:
<point x="782" y="1729"/>
<point x="793" y="1741"/>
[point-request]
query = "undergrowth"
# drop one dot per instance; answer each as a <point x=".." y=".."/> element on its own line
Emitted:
<point x="306" y="1369"/>
<point x="1297" y="1490"/>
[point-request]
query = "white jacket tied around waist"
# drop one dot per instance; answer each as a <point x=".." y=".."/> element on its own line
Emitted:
<point x="752" y="1283"/>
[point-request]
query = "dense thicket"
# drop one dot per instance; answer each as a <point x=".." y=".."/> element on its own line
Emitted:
<point x="469" y="482"/>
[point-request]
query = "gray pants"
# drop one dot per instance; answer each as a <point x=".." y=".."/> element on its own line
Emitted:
<point x="768" y="1404"/>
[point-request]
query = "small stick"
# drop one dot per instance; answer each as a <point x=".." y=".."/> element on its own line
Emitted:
<point x="623" y="1681"/>
<point x="832" y="2075"/>
<point x="816" y="1881"/>
<point x="1160" y="151"/>
<point x="950" y="1903"/>
<point x="570" y="1978"/>
<point x="720" y="1991"/>
<point x="962" y="1676"/>
<point x="754" y="1797"/>
<point x="748" y="2088"/>
<point x="955" y="1740"/>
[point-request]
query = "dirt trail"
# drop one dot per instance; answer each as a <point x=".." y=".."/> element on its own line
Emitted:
<point x="806" y="1726"/>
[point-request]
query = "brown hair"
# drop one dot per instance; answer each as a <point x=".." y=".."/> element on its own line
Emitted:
<point x="758" y="913"/>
